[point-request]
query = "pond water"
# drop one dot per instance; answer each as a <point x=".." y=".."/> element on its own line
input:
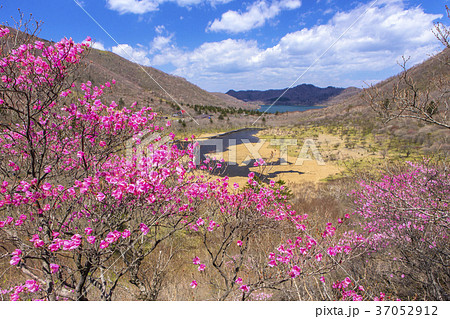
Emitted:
<point x="223" y="141"/>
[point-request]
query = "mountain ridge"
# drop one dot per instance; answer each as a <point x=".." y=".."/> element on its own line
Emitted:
<point x="303" y="94"/>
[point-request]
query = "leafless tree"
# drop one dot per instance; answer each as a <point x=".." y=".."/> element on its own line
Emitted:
<point x="408" y="99"/>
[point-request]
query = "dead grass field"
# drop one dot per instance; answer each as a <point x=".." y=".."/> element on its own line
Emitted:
<point x="342" y="150"/>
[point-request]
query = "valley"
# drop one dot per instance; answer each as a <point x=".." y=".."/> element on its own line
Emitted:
<point x="121" y="182"/>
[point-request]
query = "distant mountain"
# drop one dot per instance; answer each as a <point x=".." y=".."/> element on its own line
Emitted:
<point x="304" y="94"/>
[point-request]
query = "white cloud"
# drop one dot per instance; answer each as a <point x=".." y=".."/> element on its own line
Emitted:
<point x="160" y="29"/>
<point x="225" y="57"/>
<point x="133" y="6"/>
<point x="369" y="50"/>
<point x="160" y="44"/>
<point x="98" y="46"/>
<point x="290" y="4"/>
<point x="137" y="55"/>
<point x="144" y="6"/>
<point x="256" y="16"/>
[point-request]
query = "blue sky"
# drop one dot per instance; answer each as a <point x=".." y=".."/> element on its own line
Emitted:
<point x="228" y="44"/>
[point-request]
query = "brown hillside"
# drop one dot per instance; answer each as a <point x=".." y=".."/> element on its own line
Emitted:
<point x="135" y="82"/>
<point x="138" y="83"/>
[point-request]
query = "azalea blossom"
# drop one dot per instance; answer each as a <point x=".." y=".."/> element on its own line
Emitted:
<point x="244" y="288"/>
<point x="144" y="228"/>
<point x="201" y="267"/>
<point x="196" y="260"/>
<point x="100" y="196"/>
<point x="54" y="268"/>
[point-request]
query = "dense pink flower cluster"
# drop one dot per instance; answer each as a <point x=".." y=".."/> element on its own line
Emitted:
<point x="401" y="207"/>
<point x="32" y="70"/>
<point x="350" y="292"/>
<point x="295" y="254"/>
<point x="20" y="291"/>
<point x="15" y="259"/>
<point x="346" y="291"/>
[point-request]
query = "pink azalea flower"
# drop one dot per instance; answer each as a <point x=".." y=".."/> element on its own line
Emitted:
<point x="91" y="240"/>
<point x="201" y="267"/>
<point x="244" y="288"/>
<point x="100" y="196"/>
<point x="39" y="243"/>
<point x="126" y="233"/>
<point x="14" y="260"/>
<point x="144" y="228"/>
<point x="31" y="285"/>
<point x="76" y="237"/>
<point x="54" y="268"/>
<point x="238" y="280"/>
<point x="239" y="243"/>
<point x="196" y="260"/>
<point x="14" y="297"/>
<point x="272" y="263"/>
<point x="331" y="251"/>
<point x="54" y="247"/>
<point x="211" y="226"/>
<point x="17" y="252"/>
<point x="193" y="284"/>
<point x="200" y="222"/>
<point x="88" y="230"/>
<point x="295" y="271"/>
<point x="104" y="244"/>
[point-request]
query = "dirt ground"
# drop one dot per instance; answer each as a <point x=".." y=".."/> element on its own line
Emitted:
<point x="333" y="150"/>
<point x="292" y="171"/>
